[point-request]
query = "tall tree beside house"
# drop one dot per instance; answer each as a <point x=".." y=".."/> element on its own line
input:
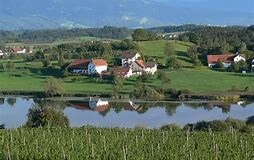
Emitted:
<point x="53" y="87"/>
<point x="117" y="84"/>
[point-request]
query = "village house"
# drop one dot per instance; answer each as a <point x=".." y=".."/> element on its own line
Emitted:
<point x="123" y="72"/>
<point x="129" y="57"/>
<point x="151" y="68"/>
<point x="94" y="105"/>
<point x="97" y="66"/>
<point x="18" y="50"/>
<point x="140" y="66"/>
<point x="88" y="66"/>
<point x="226" y="59"/>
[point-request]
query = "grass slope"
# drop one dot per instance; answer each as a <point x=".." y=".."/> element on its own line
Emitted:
<point x="197" y="80"/>
<point x="156" y="49"/>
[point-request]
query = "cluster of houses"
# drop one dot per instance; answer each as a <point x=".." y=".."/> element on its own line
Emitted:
<point x="132" y="64"/>
<point x="14" y="50"/>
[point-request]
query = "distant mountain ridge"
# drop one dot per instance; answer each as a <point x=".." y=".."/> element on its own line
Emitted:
<point x="36" y="14"/>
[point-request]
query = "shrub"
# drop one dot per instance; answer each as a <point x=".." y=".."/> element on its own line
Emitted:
<point x="171" y="127"/>
<point x="53" y="87"/>
<point x="250" y="121"/>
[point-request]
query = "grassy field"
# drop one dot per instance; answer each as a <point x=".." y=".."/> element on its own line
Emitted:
<point x="156" y="49"/>
<point x="131" y="144"/>
<point x="197" y="80"/>
<point x="207" y="81"/>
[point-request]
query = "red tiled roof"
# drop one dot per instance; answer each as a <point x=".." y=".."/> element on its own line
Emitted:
<point x="140" y="63"/>
<point x="99" y="62"/>
<point x="17" y="49"/>
<point x="223" y="58"/>
<point x="79" y="63"/>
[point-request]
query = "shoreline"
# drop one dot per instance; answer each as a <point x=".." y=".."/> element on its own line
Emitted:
<point x="203" y="97"/>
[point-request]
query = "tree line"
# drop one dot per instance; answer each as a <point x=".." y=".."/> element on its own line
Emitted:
<point x="49" y="35"/>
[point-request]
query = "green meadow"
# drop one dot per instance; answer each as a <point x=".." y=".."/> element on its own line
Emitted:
<point x="197" y="80"/>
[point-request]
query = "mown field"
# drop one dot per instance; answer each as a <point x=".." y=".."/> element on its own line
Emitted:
<point x="127" y="144"/>
<point x="198" y="80"/>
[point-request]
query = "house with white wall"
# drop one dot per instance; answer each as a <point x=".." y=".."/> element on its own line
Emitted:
<point x="97" y="66"/>
<point x="79" y="66"/>
<point x="151" y="68"/>
<point x="226" y="59"/>
<point x="129" y="57"/>
<point x="140" y="66"/>
<point x="18" y="50"/>
<point x="95" y="104"/>
<point x="88" y="66"/>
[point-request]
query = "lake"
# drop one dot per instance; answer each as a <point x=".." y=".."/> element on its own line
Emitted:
<point x="106" y="113"/>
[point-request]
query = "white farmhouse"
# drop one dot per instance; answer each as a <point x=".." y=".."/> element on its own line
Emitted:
<point x="128" y="58"/>
<point x="151" y="68"/>
<point x="88" y="66"/>
<point x="18" y="50"/>
<point x="97" y="66"/>
<point x="226" y="59"/>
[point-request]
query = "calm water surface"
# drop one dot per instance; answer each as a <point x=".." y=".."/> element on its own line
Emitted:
<point x="13" y="112"/>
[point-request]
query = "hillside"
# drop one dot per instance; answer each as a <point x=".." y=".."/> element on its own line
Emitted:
<point x="155" y="49"/>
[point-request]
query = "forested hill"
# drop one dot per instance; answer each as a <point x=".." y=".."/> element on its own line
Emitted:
<point x="49" y="35"/>
<point x="186" y="28"/>
<point x="201" y="35"/>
